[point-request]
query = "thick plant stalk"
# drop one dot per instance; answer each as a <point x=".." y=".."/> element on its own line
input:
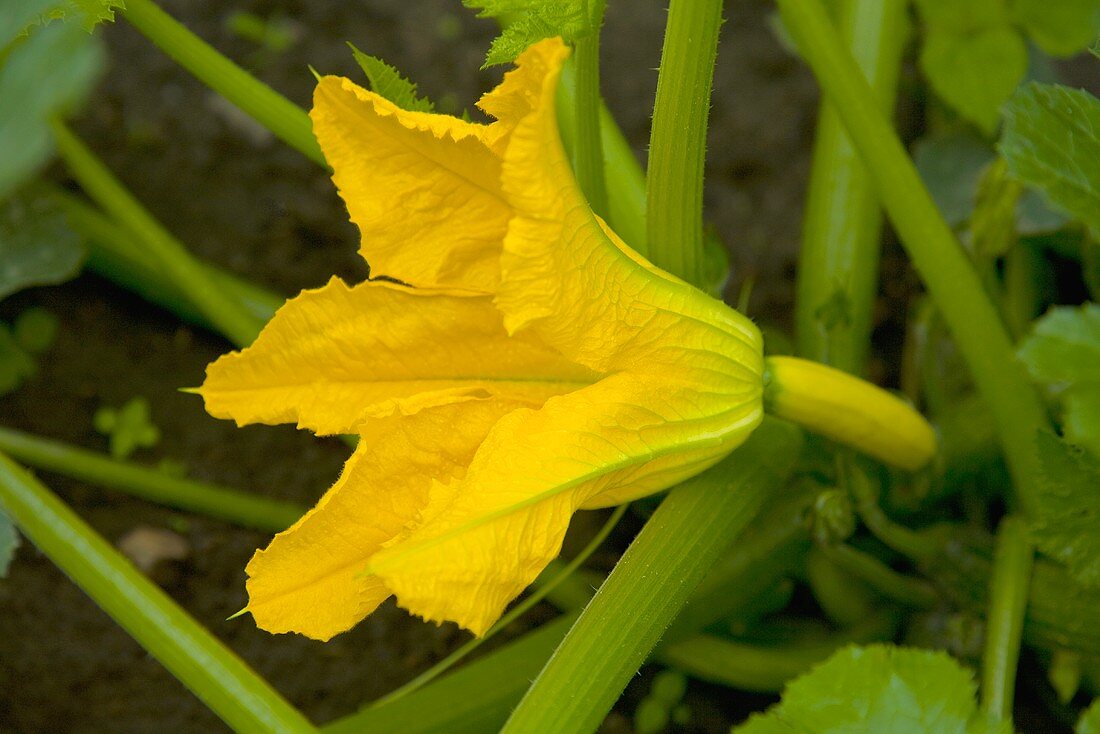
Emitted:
<point x="678" y="140"/>
<point x="588" y="148"/>
<point x="838" y="263"/>
<point x="936" y="253"/>
<point x="223" y="681"/>
<point x="1013" y="558"/>
<point x="687" y="534"/>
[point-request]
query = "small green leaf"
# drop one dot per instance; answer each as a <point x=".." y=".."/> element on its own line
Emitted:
<point x="976" y="72"/>
<point x="36" y="246"/>
<point x="9" y="542"/>
<point x="35" y="330"/>
<point x="1089" y="723"/>
<point x="1063" y="350"/>
<point x="879" y="688"/>
<point x="1060" y="28"/>
<point x="1052" y="142"/>
<point x="388" y="82"/>
<point x="1069" y="508"/>
<point x="529" y="21"/>
<point x="128" y="428"/>
<point x="43" y="76"/>
<point x="15" y="364"/>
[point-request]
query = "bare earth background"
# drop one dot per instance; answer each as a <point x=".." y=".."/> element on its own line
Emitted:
<point x="253" y="206"/>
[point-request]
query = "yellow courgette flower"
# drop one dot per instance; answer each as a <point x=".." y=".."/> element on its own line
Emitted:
<point x="532" y="366"/>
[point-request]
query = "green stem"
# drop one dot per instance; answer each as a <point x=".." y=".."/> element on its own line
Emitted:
<point x="838" y="263"/>
<point x="221" y="308"/>
<point x="678" y="140"/>
<point x="116" y="254"/>
<point x="1012" y="563"/>
<point x="283" y="118"/>
<point x="623" y="175"/>
<point x="475" y="699"/>
<point x="222" y="680"/>
<point x="916" y="545"/>
<point x="883" y="579"/>
<point x="513" y="614"/>
<point x="588" y="162"/>
<point x="933" y="248"/>
<point x="691" y="529"/>
<point x="207" y="499"/>
<point x="764" y="668"/>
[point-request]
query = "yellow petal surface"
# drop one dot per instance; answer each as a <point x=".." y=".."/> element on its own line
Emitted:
<point x="335" y="357"/>
<point x="311" y="578"/>
<point x="566" y="276"/>
<point x="423" y="188"/>
<point x="482" y="539"/>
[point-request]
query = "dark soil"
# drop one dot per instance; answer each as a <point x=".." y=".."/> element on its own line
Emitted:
<point x="253" y="206"/>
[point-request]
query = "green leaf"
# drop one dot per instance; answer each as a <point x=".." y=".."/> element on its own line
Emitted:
<point x="879" y="688"/>
<point x="16" y="16"/>
<point x="15" y="364"/>
<point x="128" y="428"/>
<point x="974" y="73"/>
<point x="1089" y="723"/>
<point x="528" y="21"/>
<point x="1069" y="508"/>
<point x="43" y="76"/>
<point x="1052" y="142"/>
<point x="993" y="223"/>
<point x="88" y="13"/>
<point x="1060" y="28"/>
<point x="35" y="329"/>
<point x="1063" y="350"/>
<point x="9" y="542"/>
<point x="962" y="17"/>
<point x="388" y="82"/>
<point x="37" y="247"/>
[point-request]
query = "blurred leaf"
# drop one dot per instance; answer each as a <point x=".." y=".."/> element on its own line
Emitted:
<point x="962" y="17"/>
<point x="43" y="76"/>
<point x="127" y="428"/>
<point x="387" y="81"/>
<point x="1089" y="723"/>
<point x="1052" y="142"/>
<point x="37" y="247"/>
<point x="528" y="21"/>
<point x="1069" y="508"/>
<point x="879" y="688"/>
<point x="1063" y="350"/>
<point x="88" y="13"/>
<point x="16" y="16"/>
<point x="15" y="364"/>
<point x="1060" y="28"/>
<point x="993" y="223"/>
<point x="975" y="72"/>
<point x="9" y="542"/>
<point x="35" y="329"/>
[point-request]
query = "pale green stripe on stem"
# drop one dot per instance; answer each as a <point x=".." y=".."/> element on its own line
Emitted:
<point x="933" y="248"/>
<point x="214" y="673"/>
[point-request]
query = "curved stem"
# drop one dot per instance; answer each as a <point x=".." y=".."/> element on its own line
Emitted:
<point x="678" y="140"/>
<point x="217" y="676"/>
<point x="883" y="579"/>
<point x="272" y="110"/>
<point x="933" y="248"/>
<point x="221" y="308"/>
<point x="206" y="499"/>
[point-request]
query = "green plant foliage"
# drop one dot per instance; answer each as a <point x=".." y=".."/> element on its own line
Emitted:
<point x="1060" y="28"/>
<point x="9" y="542"/>
<point x="88" y="13"/>
<point x="43" y="76"/>
<point x="128" y="428"/>
<point x="388" y="82"/>
<point x="528" y="21"/>
<point x="1063" y="350"/>
<point x="1089" y="723"/>
<point x="879" y="688"/>
<point x="35" y="330"/>
<point x="1069" y="511"/>
<point x="1052" y="142"/>
<point x="37" y="247"/>
<point x="656" y="710"/>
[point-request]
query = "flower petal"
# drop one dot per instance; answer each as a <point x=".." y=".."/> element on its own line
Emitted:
<point x="311" y="578"/>
<point x="336" y="356"/>
<point x="566" y="276"/>
<point x="423" y="188"/>
<point x="485" y="537"/>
